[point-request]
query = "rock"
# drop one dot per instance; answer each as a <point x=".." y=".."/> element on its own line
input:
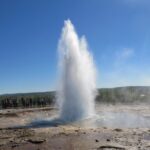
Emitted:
<point x="10" y="115"/>
<point x="76" y="130"/>
<point x="108" y="140"/>
<point x="96" y="140"/>
<point x="113" y="146"/>
<point x="15" y="145"/>
<point x="118" y="130"/>
<point x="36" y="141"/>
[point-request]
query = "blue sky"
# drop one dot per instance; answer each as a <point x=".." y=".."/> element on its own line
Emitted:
<point x="117" y="31"/>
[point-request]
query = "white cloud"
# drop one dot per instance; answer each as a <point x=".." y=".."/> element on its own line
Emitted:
<point x="123" y="56"/>
<point x="124" y="72"/>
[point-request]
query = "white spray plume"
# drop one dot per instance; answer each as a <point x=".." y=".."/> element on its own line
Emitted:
<point x="77" y="88"/>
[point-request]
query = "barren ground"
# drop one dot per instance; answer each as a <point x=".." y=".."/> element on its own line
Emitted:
<point x="69" y="137"/>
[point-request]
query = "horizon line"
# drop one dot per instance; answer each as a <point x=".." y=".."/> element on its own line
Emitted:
<point x="35" y="92"/>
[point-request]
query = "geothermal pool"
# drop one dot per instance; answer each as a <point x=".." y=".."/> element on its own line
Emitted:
<point x="111" y="116"/>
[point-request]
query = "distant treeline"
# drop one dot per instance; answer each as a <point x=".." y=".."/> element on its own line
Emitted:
<point x="27" y="100"/>
<point x="127" y="95"/>
<point x="139" y="94"/>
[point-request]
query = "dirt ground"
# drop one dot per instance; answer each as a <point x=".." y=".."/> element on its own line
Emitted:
<point x="66" y="137"/>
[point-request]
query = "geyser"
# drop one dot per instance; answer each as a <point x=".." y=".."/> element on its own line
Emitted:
<point x="77" y="88"/>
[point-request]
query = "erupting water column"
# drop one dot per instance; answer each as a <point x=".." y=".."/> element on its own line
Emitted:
<point x="77" y="88"/>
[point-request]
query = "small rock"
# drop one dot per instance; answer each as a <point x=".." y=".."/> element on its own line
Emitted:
<point x="96" y="140"/>
<point x="15" y="145"/>
<point x="108" y="140"/>
<point x="76" y="130"/>
<point x="118" y="130"/>
<point x="114" y="146"/>
<point x="36" y="141"/>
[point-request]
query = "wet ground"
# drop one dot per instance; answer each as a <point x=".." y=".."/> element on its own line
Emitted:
<point x="118" y="127"/>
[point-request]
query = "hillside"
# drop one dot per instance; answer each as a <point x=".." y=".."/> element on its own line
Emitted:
<point x="130" y="94"/>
